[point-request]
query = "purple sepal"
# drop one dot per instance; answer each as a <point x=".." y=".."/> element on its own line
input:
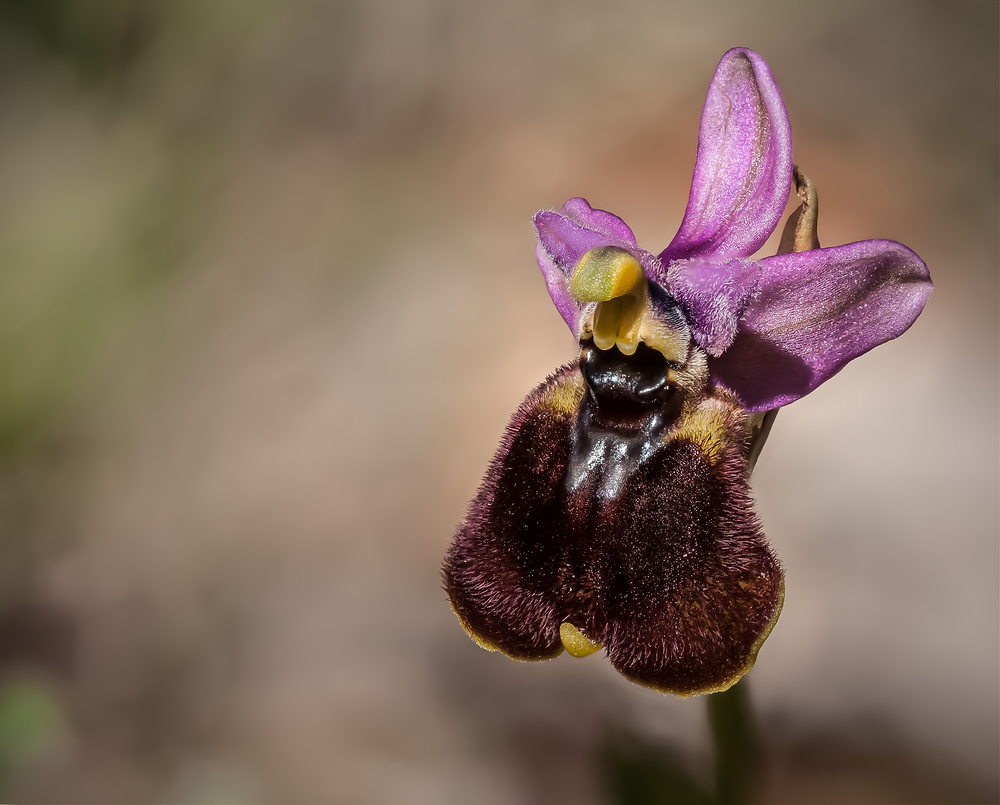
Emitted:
<point x="743" y="170"/>
<point x="579" y="210"/>
<point x="714" y="295"/>
<point x="814" y="312"/>
<point x="565" y="236"/>
<point x="557" y="281"/>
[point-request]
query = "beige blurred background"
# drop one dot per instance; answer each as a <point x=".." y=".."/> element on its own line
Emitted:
<point x="267" y="298"/>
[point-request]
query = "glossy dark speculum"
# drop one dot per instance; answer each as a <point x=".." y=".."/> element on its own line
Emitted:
<point x="628" y="404"/>
<point x="637" y="382"/>
<point x="619" y="506"/>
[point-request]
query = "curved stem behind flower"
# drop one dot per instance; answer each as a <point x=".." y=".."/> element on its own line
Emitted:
<point x="800" y="232"/>
<point x="760" y="429"/>
<point x="799" y="235"/>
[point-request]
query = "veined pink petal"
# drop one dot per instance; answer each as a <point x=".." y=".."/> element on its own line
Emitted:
<point x="743" y="171"/>
<point x="815" y="311"/>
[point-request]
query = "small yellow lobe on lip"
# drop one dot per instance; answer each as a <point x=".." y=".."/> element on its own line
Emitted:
<point x="575" y="642"/>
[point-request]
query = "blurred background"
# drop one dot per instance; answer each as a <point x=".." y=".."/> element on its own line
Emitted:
<point x="267" y="299"/>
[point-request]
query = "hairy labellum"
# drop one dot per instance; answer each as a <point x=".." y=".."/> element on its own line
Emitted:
<point x="621" y="509"/>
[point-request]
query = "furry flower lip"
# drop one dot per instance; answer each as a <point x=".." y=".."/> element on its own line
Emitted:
<point x="616" y="513"/>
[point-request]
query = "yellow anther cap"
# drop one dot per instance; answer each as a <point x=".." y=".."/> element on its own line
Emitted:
<point x="606" y="273"/>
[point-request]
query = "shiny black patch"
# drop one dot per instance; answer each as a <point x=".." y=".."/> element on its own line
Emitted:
<point x="638" y="380"/>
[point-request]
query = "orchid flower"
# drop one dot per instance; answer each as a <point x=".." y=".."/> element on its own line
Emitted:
<point x="617" y="511"/>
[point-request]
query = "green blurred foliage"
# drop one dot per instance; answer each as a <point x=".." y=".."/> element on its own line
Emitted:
<point x="96" y="39"/>
<point x="79" y="255"/>
<point x="641" y="772"/>
<point x="30" y="722"/>
<point x="97" y="202"/>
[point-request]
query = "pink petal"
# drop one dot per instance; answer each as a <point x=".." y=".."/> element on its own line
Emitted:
<point x="743" y="170"/>
<point x="816" y="311"/>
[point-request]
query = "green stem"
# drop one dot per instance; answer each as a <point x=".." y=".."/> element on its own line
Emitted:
<point x="737" y="749"/>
